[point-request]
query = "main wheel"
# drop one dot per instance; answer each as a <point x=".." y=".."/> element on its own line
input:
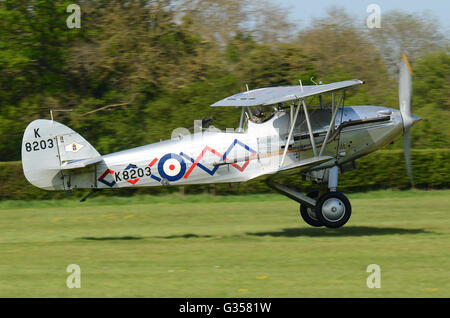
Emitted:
<point x="308" y="214"/>
<point x="333" y="209"/>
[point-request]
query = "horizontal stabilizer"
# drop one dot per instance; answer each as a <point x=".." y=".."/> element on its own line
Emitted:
<point x="81" y="163"/>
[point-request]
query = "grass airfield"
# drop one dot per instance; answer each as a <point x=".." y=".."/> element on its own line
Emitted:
<point x="225" y="246"/>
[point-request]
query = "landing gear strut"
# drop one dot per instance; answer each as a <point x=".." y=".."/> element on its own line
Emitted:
<point x="333" y="209"/>
<point x="326" y="207"/>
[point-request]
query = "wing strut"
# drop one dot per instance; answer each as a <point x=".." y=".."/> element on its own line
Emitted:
<point x="311" y="135"/>
<point x="241" y="121"/>
<point x="293" y="119"/>
<point x="286" y="145"/>
<point x="331" y="127"/>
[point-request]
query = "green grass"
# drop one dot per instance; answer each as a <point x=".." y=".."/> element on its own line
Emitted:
<point x="225" y="246"/>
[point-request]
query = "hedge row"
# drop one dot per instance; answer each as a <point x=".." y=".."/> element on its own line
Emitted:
<point x="380" y="170"/>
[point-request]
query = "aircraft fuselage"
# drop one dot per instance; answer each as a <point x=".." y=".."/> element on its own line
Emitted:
<point x="223" y="157"/>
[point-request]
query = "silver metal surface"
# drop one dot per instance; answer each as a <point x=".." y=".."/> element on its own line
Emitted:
<point x="281" y="94"/>
<point x="333" y="209"/>
<point x="333" y="175"/>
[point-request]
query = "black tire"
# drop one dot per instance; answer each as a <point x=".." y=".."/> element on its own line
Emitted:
<point x="333" y="209"/>
<point x="308" y="214"/>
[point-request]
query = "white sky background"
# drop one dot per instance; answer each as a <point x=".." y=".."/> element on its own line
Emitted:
<point x="304" y="11"/>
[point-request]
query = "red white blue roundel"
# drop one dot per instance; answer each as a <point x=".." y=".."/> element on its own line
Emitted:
<point x="171" y="167"/>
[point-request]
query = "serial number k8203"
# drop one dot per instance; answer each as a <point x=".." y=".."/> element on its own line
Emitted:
<point x="132" y="174"/>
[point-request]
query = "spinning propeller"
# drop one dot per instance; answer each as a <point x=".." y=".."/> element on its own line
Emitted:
<point x="404" y="94"/>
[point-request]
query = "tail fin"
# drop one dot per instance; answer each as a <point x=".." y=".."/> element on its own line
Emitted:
<point x="47" y="148"/>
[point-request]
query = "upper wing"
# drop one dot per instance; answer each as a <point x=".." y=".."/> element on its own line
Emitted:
<point x="280" y="94"/>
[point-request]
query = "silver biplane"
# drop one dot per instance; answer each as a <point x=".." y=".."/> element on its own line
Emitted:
<point x="277" y="134"/>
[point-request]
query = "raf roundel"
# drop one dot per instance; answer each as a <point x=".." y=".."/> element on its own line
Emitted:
<point x="171" y="167"/>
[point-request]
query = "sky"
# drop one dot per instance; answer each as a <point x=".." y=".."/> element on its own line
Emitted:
<point x="303" y="11"/>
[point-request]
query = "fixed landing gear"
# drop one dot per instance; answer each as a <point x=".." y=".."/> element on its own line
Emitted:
<point x="332" y="210"/>
<point x="323" y="207"/>
<point x="308" y="213"/>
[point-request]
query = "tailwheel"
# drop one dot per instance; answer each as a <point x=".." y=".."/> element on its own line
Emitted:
<point x="308" y="214"/>
<point x="333" y="209"/>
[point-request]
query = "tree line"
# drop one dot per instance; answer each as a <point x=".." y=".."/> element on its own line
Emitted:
<point x="137" y="69"/>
